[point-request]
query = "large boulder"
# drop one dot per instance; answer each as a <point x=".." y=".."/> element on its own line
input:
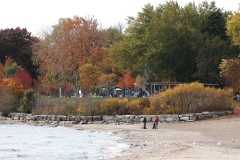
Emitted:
<point x="109" y="119"/>
<point x="61" y="118"/>
<point x="86" y="118"/>
<point x="52" y="118"/>
<point x="97" y="118"/>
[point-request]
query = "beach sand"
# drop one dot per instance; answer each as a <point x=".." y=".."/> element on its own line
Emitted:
<point x="212" y="139"/>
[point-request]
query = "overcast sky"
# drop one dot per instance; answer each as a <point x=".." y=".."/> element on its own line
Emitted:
<point x="37" y="14"/>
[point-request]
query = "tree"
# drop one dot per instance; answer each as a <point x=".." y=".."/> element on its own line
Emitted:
<point x="162" y="41"/>
<point x="71" y="44"/>
<point x="107" y="80"/>
<point x="230" y="73"/>
<point x="216" y="25"/>
<point x="28" y="101"/>
<point x="233" y="28"/>
<point x="13" y="85"/>
<point x="11" y="70"/>
<point x="126" y="81"/>
<point x="209" y="57"/>
<point x="89" y="77"/>
<point x="139" y="82"/>
<point x="17" y="44"/>
<point x="23" y="78"/>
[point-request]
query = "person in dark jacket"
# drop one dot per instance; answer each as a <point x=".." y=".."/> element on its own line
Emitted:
<point x="144" y="123"/>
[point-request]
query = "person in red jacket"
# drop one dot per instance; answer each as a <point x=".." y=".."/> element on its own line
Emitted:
<point x="155" y="123"/>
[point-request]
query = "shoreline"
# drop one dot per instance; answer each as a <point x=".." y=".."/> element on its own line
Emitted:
<point x="215" y="138"/>
<point x="207" y="139"/>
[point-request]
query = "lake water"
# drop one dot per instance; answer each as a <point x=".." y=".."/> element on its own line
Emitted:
<point x="59" y="143"/>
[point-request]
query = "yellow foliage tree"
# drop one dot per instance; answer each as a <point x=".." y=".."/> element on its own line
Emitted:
<point x="233" y="28"/>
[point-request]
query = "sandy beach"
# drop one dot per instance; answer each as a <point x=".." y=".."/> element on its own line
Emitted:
<point x="212" y="139"/>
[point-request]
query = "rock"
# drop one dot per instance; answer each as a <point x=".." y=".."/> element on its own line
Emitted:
<point x="214" y="113"/>
<point x="176" y="119"/>
<point x="97" y="118"/>
<point x="108" y="118"/>
<point x="61" y="118"/>
<point x="71" y="118"/>
<point x="223" y="113"/>
<point x="162" y="119"/>
<point x="207" y="114"/>
<point x="184" y="118"/>
<point x="169" y="119"/>
<point x="193" y="118"/>
<point x="229" y="112"/>
<point x="86" y="118"/>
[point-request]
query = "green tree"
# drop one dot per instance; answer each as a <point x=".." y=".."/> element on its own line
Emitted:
<point x="209" y="57"/>
<point x="216" y="25"/>
<point x="162" y="40"/>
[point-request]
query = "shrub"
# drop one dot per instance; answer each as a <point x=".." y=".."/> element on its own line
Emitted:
<point x="81" y="110"/>
<point x="179" y="99"/>
<point x="135" y="108"/>
<point x="114" y="106"/>
<point x="7" y="100"/>
<point x="28" y="101"/>
<point x="70" y="109"/>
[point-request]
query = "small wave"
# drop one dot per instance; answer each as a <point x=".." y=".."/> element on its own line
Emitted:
<point x="10" y="150"/>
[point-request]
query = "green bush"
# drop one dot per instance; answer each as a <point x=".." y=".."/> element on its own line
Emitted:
<point x="28" y="102"/>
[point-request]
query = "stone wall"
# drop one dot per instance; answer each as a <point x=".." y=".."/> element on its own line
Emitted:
<point x="117" y="119"/>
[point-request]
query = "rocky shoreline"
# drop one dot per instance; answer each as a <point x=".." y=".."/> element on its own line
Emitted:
<point x="63" y="120"/>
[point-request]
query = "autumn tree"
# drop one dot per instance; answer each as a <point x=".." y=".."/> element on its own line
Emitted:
<point x="139" y="82"/>
<point x="233" y="28"/>
<point x="89" y="77"/>
<point x="23" y="78"/>
<point x="17" y="44"/>
<point x="71" y="44"/>
<point x="230" y="73"/>
<point x="126" y="81"/>
<point x="107" y="80"/>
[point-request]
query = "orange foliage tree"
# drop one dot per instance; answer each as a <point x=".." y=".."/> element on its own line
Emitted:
<point x="126" y="81"/>
<point x="89" y="77"/>
<point x="15" y="86"/>
<point x="72" y="43"/>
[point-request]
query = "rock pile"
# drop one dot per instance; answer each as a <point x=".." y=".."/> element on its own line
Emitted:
<point x="114" y="119"/>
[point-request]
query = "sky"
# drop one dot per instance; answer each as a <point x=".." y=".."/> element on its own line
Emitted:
<point x="36" y="15"/>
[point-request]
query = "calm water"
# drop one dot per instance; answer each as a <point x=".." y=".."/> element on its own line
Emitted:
<point x="43" y="143"/>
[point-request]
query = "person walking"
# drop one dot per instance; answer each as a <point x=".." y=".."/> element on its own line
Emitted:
<point x="144" y="123"/>
<point x="155" y="123"/>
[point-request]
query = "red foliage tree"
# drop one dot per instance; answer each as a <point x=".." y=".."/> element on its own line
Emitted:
<point x="23" y="78"/>
<point x="126" y="81"/>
